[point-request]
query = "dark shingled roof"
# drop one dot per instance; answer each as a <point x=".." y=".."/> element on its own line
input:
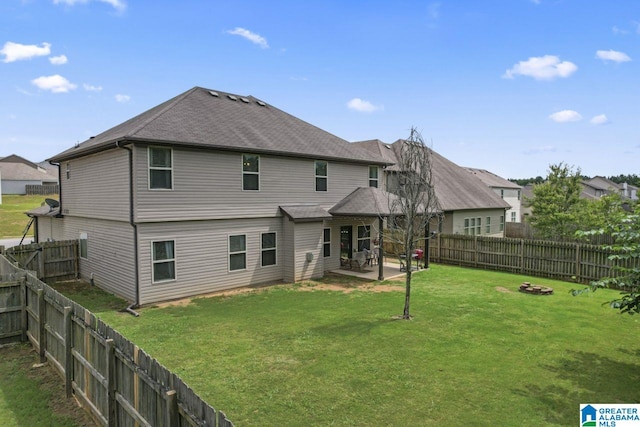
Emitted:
<point x="305" y="213"/>
<point x="493" y="180"/>
<point x="455" y="187"/>
<point x="365" y="201"/>
<point x="212" y="119"/>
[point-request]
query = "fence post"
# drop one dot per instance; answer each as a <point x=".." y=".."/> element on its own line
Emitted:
<point x="41" y="264"/>
<point x="578" y="262"/>
<point x="111" y="383"/>
<point x="521" y="256"/>
<point x="41" y="323"/>
<point x="23" y="306"/>
<point x="68" y="358"/>
<point x="475" y="251"/>
<point x="172" y="419"/>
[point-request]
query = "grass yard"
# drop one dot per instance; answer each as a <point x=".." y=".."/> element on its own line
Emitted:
<point x="34" y="396"/>
<point x="476" y="353"/>
<point x="12" y="217"/>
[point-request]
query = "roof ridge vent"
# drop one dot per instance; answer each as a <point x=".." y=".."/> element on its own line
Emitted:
<point x="213" y="93"/>
<point x="245" y="100"/>
<point x="233" y="98"/>
<point x="262" y="104"/>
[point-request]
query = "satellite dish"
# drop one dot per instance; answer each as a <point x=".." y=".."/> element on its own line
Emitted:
<point x="52" y="203"/>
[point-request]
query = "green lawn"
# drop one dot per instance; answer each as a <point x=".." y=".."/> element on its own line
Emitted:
<point x="12" y="217"/>
<point x="34" y="396"/>
<point x="476" y="353"/>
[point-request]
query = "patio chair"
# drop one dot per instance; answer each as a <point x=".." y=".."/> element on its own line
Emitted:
<point x="359" y="261"/>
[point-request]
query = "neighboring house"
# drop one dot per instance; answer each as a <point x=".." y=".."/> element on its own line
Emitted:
<point x="17" y="172"/>
<point x="508" y="191"/>
<point x="210" y="191"/>
<point x="599" y="186"/>
<point x="469" y="206"/>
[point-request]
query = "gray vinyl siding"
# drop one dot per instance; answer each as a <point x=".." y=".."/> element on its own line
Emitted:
<point x="49" y="229"/>
<point x="208" y="185"/>
<point x="202" y="260"/>
<point x="110" y="251"/>
<point x="495" y="214"/>
<point x="333" y="262"/>
<point x="98" y="186"/>
<point x="308" y="240"/>
<point x="288" y="250"/>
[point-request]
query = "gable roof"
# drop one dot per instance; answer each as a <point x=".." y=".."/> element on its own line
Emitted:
<point x="205" y="118"/>
<point x="493" y="180"/>
<point x="16" y="168"/>
<point x="454" y="186"/>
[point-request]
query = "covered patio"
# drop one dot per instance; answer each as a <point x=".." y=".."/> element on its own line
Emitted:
<point x="390" y="270"/>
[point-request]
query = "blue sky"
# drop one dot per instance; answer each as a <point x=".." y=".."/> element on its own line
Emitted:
<point x="511" y="86"/>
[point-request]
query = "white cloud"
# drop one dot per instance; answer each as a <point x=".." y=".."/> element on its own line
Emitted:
<point x="565" y="116"/>
<point x="616" y="30"/>
<point x="599" y="120"/>
<point x="612" y="55"/>
<point x="17" y="52"/>
<point x="119" y="5"/>
<point x="58" y="60"/>
<point x="363" y="106"/>
<point x="122" y="98"/>
<point x="91" y="88"/>
<point x="55" y="83"/>
<point x="546" y="67"/>
<point x="252" y="37"/>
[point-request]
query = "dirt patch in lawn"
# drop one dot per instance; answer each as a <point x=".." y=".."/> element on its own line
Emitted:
<point x="503" y="290"/>
<point x="329" y="283"/>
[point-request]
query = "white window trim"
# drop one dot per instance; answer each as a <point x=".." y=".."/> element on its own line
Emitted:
<point x="487" y="225"/>
<point x="326" y="242"/>
<point x="149" y="168"/>
<point x="174" y="260"/>
<point x="249" y="173"/>
<point x="83" y="236"/>
<point x="475" y="229"/>
<point x="229" y="253"/>
<point x="315" y="180"/>
<point x="275" y="248"/>
<point x="377" y="178"/>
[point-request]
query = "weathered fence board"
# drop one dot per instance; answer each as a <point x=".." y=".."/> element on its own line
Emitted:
<point x="558" y="260"/>
<point x="51" y="260"/>
<point x="116" y="382"/>
<point x="42" y="190"/>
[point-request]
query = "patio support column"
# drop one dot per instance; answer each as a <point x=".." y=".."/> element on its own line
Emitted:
<point x="426" y="245"/>
<point x="380" y="250"/>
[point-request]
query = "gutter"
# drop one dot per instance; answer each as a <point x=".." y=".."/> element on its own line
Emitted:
<point x="134" y="225"/>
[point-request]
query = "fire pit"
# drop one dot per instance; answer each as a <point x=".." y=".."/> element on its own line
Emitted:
<point x="528" y="288"/>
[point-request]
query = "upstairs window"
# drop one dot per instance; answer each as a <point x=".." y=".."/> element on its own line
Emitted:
<point x="250" y="172"/>
<point x="373" y="176"/>
<point x="164" y="261"/>
<point x="321" y="175"/>
<point x="501" y="222"/>
<point x="160" y="168"/>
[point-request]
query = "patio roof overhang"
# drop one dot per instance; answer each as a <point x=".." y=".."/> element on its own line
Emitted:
<point x="368" y="202"/>
<point x="305" y="213"/>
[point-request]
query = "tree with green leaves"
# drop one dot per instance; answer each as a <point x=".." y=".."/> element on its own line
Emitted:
<point x="556" y="203"/>
<point x="625" y="252"/>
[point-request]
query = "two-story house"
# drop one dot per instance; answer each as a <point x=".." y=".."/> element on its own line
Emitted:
<point x="210" y="191"/>
<point x="469" y="206"/>
<point x="508" y="191"/>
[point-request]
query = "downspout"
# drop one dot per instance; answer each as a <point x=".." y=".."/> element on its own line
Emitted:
<point x="59" y="185"/>
<point x="133" y="224"/>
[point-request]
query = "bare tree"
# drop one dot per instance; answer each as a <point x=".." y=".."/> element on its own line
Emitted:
<point x="415" y="206"/>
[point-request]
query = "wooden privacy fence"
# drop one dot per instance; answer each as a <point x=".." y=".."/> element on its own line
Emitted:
<point x="116" y="381"/>
<point x="43" y="189"/>
<point x="50" y="260"/>
<point x="558" y="260"/>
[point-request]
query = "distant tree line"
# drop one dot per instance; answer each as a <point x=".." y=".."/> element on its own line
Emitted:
<point x="632" y="179"/>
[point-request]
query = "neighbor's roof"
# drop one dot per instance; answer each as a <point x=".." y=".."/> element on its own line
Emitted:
<point x="212" y="119"/>
<point x="20" y="171"/>
<point x="493" y="180"/>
